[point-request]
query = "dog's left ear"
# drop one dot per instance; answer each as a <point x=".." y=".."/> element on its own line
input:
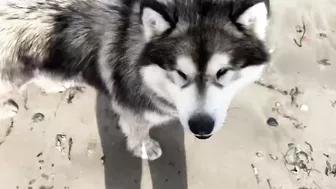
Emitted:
<point x="254" y="18"/>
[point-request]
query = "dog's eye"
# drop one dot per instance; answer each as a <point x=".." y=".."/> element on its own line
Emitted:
<point x="221" y="72"/>
<point x="183" y="75"/>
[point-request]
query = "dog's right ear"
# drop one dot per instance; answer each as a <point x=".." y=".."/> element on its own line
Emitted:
<point x="252" y="15"/>
<point x="156" y="19"/>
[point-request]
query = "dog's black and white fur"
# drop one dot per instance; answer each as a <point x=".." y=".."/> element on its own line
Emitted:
<point x="157" y="60"/>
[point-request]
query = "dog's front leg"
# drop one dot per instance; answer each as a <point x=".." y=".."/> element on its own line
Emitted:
<point x="138" y="140"/>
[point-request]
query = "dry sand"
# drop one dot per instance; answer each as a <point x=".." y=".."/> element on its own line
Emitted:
<point x="230" y="159"/>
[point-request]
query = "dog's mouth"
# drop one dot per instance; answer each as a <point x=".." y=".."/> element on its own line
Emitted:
<point x="203" y="137"/>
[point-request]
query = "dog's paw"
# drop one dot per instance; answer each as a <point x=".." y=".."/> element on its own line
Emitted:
<point x="148" y="149"/>
<point x="8" y="109"/>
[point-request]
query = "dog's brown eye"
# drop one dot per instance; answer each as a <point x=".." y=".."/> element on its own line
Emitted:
<point x="221" y="72"/>
<point x="183" y="75"/>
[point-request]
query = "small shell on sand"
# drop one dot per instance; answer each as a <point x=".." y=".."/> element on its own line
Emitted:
<point x="38" y="117"/>
<point x="304" y="108"/>
<point x="259" y="154"/>
<point x="272" y="122"/>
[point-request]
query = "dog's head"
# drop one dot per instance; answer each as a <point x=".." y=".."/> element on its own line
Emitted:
<point x="199" y="53"/>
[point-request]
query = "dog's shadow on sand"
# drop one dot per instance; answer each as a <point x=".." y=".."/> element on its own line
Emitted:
<point x="122" y="171"/>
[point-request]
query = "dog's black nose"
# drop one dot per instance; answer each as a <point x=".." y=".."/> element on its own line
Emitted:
<point x="201" y="125"/>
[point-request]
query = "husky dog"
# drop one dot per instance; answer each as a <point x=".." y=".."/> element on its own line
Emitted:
<point x="157" y="60"/>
